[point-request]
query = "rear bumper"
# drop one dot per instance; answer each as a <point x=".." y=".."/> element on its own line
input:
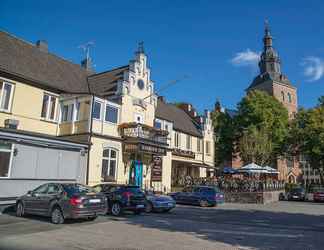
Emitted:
<point x="85" y="212"/>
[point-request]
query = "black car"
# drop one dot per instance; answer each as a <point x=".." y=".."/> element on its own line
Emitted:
<point x="61" y="201"/>
<point x="123" y="198"/>
<point x="297" y="194"/>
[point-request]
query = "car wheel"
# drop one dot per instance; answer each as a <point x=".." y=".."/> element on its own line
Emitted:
<point x="20" y="209"/>
<point x="148" y="207"/>
<point x="57" y="216"/>
<point x="116" y="209"/>
<point x="203" y="203"/>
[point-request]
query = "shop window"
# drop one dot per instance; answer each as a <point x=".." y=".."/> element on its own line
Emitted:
<point x="111" y="114"/>
<point x="5" y="159"/>
<point x="109" y="164"/>
<point x="67" y="112"/>
<point x="188" y="142"/>
<point x="49" y="107"/>
<point x="96" y="110"/>
<point x="208" y="147"/>
<point x="6" y="91"/>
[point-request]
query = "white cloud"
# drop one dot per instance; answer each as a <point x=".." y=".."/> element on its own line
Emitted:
<point x="246" y="58"/>
<point x="313" y="68"/>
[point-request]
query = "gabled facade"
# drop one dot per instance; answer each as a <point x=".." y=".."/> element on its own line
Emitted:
<point x="107" y="119"/>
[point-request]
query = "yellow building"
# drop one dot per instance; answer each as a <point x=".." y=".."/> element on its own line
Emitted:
<point x="114" y="117"/>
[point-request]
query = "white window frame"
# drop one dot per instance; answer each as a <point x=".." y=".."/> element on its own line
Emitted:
<point x="68" y="104"/>
<point x="118" y="111"/>
<point x="11" y="151"/>
<point x="109" y="159"/>
<point x="199" y="146"/>
<point x="188" y="142"/>
<point x="10" y="98"/>
<point x="177" y="140"/>
<point x="100" y="114"/>
<point x="136" y="115"/>
<point x="48" y="110"/>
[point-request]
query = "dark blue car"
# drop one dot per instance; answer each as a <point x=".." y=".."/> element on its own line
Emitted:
<point x="199" y="195"/>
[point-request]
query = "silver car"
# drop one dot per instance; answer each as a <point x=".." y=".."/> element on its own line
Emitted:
<point x="158" y="203"/>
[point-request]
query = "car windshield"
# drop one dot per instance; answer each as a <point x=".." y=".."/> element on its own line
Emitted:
<point x="319" y="190"/>
<point x="299" y="190"/>
<point x="78" y="189"/>
<point x="133" y="189"/>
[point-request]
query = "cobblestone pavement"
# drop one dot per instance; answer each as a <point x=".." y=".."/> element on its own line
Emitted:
<point x="284" y="225"/>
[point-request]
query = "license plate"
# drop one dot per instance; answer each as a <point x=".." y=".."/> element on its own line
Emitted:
<point x="170" y="204"/>
<point x="295" y="196"/>
<point x="94" y="201"/>
<point x="139" y="206"/>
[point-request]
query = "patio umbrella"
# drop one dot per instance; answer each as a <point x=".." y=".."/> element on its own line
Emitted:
<point x="271" y="170"/>
<point x="229" y="170"/>
<point x="252" y="168"/>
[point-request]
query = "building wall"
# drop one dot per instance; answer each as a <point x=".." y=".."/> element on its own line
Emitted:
<point x="26" y="107"/>
<point x="278" y="89"/>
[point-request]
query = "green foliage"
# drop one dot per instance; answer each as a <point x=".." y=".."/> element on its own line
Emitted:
<point x="267" y="114"/>
<point x="225" y="134"/>
<point x="255" y="146"/>
<point x="306" y="137"/>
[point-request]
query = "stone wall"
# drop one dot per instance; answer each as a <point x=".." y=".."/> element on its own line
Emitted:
<point x="253" y="197"/>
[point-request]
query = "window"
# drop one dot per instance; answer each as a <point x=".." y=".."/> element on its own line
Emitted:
<point x="198" y="145"/>
<point x="5" y="159"/>
<point x="157" y="124"/>
<point x="67" y="112"/>
<point x="289" y="98"/>
<point x="77" y="110"/>
<point x="208" y="147"/>
<point x="6" y="90"/>
<point x="109" y="164"/>
<point x="49" y="107"/>
<point x="188" y="142"/>
<point x="111" y="114"/>
<point x="177" y="140"/>
<point x="96" y="111"/>
<point x="283" y="96"/>
<point x="41" y="189"/>
<point x="139" y="118"/>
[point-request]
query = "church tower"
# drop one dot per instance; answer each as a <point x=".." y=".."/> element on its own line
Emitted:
<point x="271" y="78"/>
<point x="272" y="81"/>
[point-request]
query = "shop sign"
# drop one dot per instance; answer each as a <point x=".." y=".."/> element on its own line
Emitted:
<point x="156" y="172"/>
<point x="183" y="153"/>
<point x="144" y="148"/>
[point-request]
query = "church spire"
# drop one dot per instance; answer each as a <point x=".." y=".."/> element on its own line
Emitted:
<point x="270" y="61"/>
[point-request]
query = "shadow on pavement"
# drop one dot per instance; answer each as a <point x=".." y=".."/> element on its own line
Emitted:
<point x="249" y="228"/>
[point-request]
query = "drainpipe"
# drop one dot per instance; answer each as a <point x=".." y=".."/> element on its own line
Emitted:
<point x="89" y="140"/>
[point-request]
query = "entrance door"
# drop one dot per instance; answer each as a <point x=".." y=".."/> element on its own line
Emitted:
<point x="136" y="173"/>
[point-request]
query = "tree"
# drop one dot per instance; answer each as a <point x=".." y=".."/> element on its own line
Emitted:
<point x="224" y="130"/>
<point x="306" y="137"/>
<point x="321" y="101"/>
<point x="255" y="146"/>
<point x="266" y="119"/>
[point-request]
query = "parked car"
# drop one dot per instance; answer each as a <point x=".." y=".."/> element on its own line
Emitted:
<point x="297" y="194"/>
<point x="123" y="198"/>
<point x="61" y="201"/>
<point x="310" y="192"/>
<point x="318" y="194"/>
<point x="199" y="195"/>
<point x="158" y="203"/>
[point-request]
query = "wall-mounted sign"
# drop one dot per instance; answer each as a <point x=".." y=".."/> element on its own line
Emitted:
<point x="156" y="172"/>
<point x="144" y="148"/>
<point x="183" y="153"/>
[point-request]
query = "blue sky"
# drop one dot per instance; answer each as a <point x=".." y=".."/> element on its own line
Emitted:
<point x="214" y="42"/>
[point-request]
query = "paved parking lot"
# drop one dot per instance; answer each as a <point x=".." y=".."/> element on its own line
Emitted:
<point x="284" y="225"/>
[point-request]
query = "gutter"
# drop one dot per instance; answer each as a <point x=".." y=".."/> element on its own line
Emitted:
<point x="89" y="140"/>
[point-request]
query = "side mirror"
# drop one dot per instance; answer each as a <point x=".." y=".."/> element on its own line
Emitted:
<point x="29" y="192"/>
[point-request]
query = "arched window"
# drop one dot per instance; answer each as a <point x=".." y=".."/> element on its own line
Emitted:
<point x="289" y="97"/>
<point x="283" y="96"/>
<point x="109" y="164"/>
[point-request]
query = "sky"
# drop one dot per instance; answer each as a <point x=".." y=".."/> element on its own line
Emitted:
<point x="215" y="44"/>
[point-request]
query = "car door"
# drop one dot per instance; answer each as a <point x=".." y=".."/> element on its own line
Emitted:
<point x="185" y="195"/>
<point x="32" y="204"/>
<point x="195" y="196"/>
<point x="45" y="200"/>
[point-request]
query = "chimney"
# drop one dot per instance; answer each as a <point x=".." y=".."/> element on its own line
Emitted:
<point x="42" y="45"/>
<point x="86" y="64"/>
<point x="161" y="98"/>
